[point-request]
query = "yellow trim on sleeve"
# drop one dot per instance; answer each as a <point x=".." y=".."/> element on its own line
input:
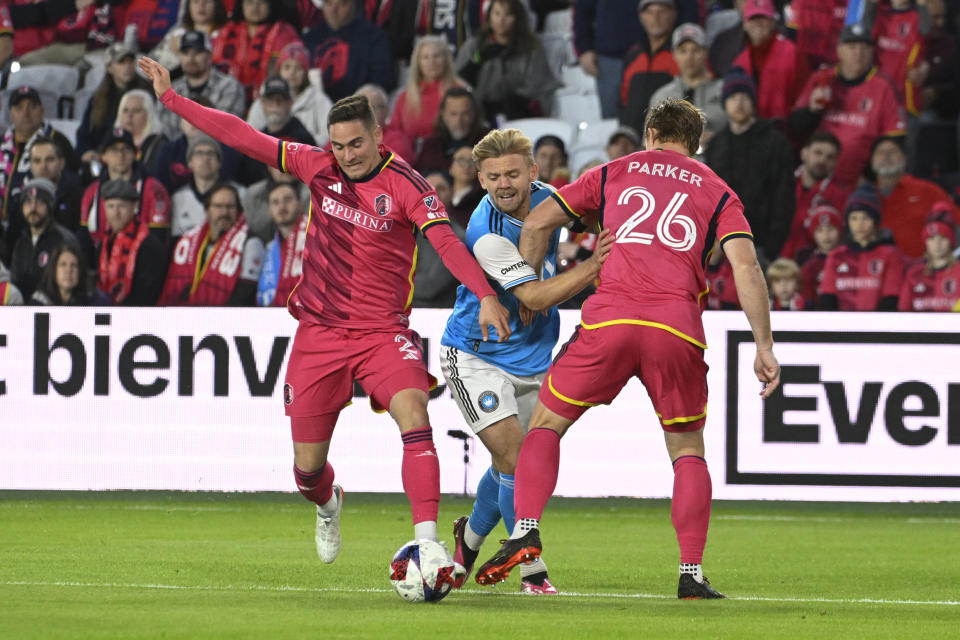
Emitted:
<point x="6" y="295"/>
<point x="684" y="419"/>
<point x="645" y="323"/>
<point x="702" y="293"/>
<point x="430" y="223"/>
<point x="579" y="403"/>
<point x="413" y="271"/>
<point x="567" y="207"/>
<point x="732" y="233"/>
<point x="283" y="156"/>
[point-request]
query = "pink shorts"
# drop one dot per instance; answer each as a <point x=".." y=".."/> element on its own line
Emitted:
<point x="324" y="362"/>
<point x="595" y="364"/>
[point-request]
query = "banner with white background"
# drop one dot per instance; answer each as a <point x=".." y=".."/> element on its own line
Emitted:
<point x="190" y="399"/>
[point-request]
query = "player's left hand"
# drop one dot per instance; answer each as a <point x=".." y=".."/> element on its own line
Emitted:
<point x="605" y="242"/>
<point x="767" y="368"/>
<point x="526" y="315"/>
<point x="492" y="313"/>
<point x="157" y="74"/>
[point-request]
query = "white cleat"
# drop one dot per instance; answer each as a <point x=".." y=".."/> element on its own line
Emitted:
<point x="328" y="530"/>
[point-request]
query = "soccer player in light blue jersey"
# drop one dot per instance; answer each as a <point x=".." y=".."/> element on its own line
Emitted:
<point x="496" y="384"/>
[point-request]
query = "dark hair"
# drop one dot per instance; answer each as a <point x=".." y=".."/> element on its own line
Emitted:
<point x="522" y="38"/>
<point x="824" y="136"/>
<point x="459" y="92"/>
<point x="678" y="121"/>
<point x="48" y="279"/>
<point x="217" y="188"/>
<point x="352" y="108"/>
<point x="50" y="141"/>
<point x="277" y="12"/>
<point x="219" y="16"/>
<point x="550" y="140"/>
<point x="273" y="185"/>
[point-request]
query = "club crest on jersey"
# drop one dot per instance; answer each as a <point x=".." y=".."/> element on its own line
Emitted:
<point x="382" y="205"/>
<point x="488" y="402"/>
<point x="949" y="286"/>
<point x="875" y="267"/>
<point x="287" y="393"/>
<point x="866" y="104"/>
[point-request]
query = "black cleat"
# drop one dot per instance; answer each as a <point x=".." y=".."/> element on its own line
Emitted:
<point x="690" y="589"/>
<point x="512" y="553"/>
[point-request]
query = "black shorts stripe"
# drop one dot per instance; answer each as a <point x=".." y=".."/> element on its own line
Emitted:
<point x="459" y="386"/>
<point x="412" y="181"/>
<point x="603" y="194"/>
<point x="405" y="169"/>
<point x="563" y="349"/>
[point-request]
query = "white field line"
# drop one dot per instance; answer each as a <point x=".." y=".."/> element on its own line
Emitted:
<point x="485" y="593"/>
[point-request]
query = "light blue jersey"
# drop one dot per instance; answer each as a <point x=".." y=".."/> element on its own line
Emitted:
<point x="493" y="237"/>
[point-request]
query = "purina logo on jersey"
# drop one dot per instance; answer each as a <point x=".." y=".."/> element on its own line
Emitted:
<point x="382" y="205"/>
<point x="354" y="216"/>
<point x="870" y="408"/>
<point x="488" y="402"/>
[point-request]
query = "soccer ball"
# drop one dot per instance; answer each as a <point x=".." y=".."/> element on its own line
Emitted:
<point x="422" y="571"/>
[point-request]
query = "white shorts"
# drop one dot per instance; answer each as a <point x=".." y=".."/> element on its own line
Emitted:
<point x="485" y="393"/>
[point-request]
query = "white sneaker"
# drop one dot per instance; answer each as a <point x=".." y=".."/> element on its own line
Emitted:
<point x="328" y="530"/>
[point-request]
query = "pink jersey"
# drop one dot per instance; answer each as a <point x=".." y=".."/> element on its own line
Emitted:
<point x="930" y="290"/>
<point x="899" y="48"/>
<point x="666" y="210"/>
<point x="360" y="253"/>
<point x="861" y="277"/>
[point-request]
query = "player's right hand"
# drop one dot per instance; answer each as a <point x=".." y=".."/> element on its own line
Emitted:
<point x="157" y="74"/>
<point x="767" y="368"/>
<point x="605" y="242"/>
<point x="495" y="314"/>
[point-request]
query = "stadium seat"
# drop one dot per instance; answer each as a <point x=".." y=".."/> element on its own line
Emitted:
<point x="559" y="51"/>
<point x="576" y="108"/>
<point x="74" y="106"/>
<point x="534" y="128"/>
<point x="595" y="132"/>
<point x="583" y="155"/>
<point x="559" y="22"/>
<point x="94" y="75"/>
<point x="719" y="21"/>
<point x="576" y="80"/>
<point x="55" y="78"/>
<point x="66" y="127"/>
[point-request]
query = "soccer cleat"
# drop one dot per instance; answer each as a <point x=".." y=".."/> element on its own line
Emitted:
<point x="512" y="553"/>
<point x="690" y="589"/>
<point x="328" y="530"/>
<point x="463" y="556"/>
<point x="538" y="584"/>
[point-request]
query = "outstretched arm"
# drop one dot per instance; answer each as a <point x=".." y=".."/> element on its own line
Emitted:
<point x="223" y="127"/>
<point x="535" y="235"/>
<point x="538" y="295"/>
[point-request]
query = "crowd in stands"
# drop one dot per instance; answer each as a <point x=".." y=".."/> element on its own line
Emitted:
<point x="839" y="133"/>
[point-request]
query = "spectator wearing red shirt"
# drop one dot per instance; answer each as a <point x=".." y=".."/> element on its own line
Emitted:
<point x="815" y="185"/>
<point x="852" y="101"/>
<point x="431" y="74"/>
<point x="817" y="25"/>
<point x="906" y="200"/>
<point x="898" y="29"/>
<point x="771" y="60"/>
<point x="824" y="227"/>
<point x="649" y="64"/>
<point x="933" y="284"/>
<point x="866" y="273"/>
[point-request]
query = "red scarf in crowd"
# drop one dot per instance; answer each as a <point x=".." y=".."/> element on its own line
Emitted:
<point x="205" y="284"/>
<point x="118" y="259"/>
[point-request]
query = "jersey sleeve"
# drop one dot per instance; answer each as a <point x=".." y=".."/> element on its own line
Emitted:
<point x="501" y="260"/>
<point x="302" y="160"/>
<point x="893" y="119"/>
<point x="731" y="223"/>
<point x="584" y="197"/>
<point x="892" y="275"/>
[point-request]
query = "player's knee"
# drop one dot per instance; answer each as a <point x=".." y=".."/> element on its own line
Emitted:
<point x="309" y="456"/>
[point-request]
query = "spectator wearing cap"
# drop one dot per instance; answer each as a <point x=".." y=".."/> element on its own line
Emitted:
<point x="933" y="284"/>
<point x="603" y="32"/>
<point x="649" y="64"/>
<point x="550" y="156"/>
<point x="814" y="184"/>
<point x="459" y="122"/>
<point x="866" y="272"/>
<point x="906" y="199"/>
<point x="200" y="78"/>
<point x="118" y="153"/>
<point x="204" y="159"/>
<point x="755" y="159"/>
<point x="852" y="101"/>
<point x="622" y="142"/>
<point x="283" y="259"/>
<point x="824" y="228"/>
<point x="277" y="103"/>
<point x="138" y="115"/>
<point x="101" y="111"/>
<point x="815" y="26"/>
<point x="310" y="103"/>
<point x="27" y="125"/>
<point x="694" y="82"/>
<point x="132" y="262"/>
<point x="899" y="29"/>
<point x="771" y="60"/>
<point x="349" y="50"/>
<point x="224" y="240"/>
<point x="39" y="238"/>
<point x="247" y="46"/>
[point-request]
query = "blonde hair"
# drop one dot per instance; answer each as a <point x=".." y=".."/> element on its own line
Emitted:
<point x="783" y="269"/>
<point x="447" y="80"/>
<point x="503" y="142"/>
<point x="153" y="122"/>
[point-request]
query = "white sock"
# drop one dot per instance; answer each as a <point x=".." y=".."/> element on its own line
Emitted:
<point x="524" y="525"/>
<point x="425" y="530"/>
<point x="329" y="507"/>
<point x="694" y="570"/>
<point x="530" y="568"/>
<point x="473" y="539"/>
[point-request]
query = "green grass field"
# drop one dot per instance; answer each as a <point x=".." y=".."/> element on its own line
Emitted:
<point x="173" y="565"/>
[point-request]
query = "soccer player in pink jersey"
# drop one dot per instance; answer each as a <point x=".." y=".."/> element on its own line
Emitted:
<point x="354" y="295"/>
<point x="666" y="211"/>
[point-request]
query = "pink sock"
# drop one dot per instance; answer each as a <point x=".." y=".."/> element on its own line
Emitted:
<point x="421" y="474"/>
<point x="316" y="486"/>
<point x="537" y="470"/>
<point x="690" y="510"/>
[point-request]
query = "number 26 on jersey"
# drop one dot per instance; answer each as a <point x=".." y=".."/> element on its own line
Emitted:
<point x="674" y="229"/>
